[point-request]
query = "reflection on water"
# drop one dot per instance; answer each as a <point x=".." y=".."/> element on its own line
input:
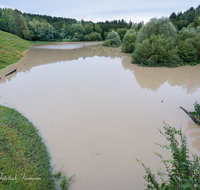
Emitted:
<point x="97" y="112"/>
<point x="194" y="130"/>
<point x="151" y="78"/>
<point x="66" y="45"/>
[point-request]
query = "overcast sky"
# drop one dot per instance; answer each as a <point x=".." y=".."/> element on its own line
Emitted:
<point x="102" y="10"/>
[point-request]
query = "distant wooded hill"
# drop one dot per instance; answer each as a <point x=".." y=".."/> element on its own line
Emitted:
<point x="42" y="27"/>
<point x="189" y="18"/>
<point x="47" y="28"/>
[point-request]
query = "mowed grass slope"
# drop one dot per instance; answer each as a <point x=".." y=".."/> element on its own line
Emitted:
<point x="11" y="48"/>
<point x="24" y="160"/>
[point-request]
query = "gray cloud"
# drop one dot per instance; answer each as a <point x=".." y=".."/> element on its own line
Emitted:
<point x="101" y="10"/>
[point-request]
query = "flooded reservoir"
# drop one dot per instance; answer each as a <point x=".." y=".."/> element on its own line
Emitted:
<point x="97" y="112"/>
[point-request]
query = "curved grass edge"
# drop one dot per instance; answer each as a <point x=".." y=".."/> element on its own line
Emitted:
<point x="12" y="48"/>
<point x="25" y="162"/>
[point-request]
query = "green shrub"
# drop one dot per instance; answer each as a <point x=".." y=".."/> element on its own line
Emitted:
<point x="156" y="51"/>
<point x="128" y="45"/>
<point x="196" y="112"/>
<point x="87" y="37"/>
<point x="62" y="180"/>
<point x="94" y="36"/>
<point x="197" y="42"/>
<point x="138" y="26"/>
<point x="121" y="32"/>
<point x="186" y="33"/>
<point x="195" y="23"/>
<point x="110" y="43"/>
<point x="182" y="172"/>
<point x="66" y="40"/>
<point x="113" y="40"/>
<point x="112" y="35"/>
<point x="155" y="27"/>
<point x="187" y="51"/>
<point x="106" y="33"/>
<point x="188" y="41"/>
<point x="198" y="31"/>
<point x="74" y="39"/>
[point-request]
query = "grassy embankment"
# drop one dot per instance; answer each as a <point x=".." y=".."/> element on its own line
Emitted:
<point x="24" y="160"/>
<point x="11" y="48"/>
<point x="23" y="154"/>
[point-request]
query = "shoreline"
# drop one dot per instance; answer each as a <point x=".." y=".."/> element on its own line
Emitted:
<point x="22" y="145"/>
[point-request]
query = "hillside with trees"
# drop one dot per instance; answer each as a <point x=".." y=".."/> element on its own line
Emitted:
<point x="47" y="28"/>
<point x="189" y="18"/>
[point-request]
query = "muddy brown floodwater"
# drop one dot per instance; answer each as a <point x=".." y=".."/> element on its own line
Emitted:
<point x="97" y="112"/>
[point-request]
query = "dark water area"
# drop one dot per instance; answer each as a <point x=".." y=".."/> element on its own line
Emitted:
<point x="97" y="112"/>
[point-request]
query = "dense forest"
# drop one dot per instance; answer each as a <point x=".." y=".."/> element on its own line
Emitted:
<point x="47" y="28"/>
<point x="163" y="42"/>
<point x="189" y="18"/>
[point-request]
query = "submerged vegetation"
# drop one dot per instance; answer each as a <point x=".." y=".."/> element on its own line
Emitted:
<point x="196" y="112"/>
<point x="182" y="172"/>
<point x="63" y="182"/>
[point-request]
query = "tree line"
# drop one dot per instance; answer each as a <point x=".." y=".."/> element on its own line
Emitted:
<point x="160" y="42"/>
<point x="189" y="17"/>
<point x="47" y="28"/>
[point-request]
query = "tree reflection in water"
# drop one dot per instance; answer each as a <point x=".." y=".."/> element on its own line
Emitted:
<point x="195" y="133"/>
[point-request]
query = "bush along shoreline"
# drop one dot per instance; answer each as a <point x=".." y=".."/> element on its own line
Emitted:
<point x="159" y="44"/>
<point x="112" y="40"/>
<point x="196" y="112"/>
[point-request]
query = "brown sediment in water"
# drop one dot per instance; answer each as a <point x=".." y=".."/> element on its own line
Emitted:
<point x="97" y="112"/>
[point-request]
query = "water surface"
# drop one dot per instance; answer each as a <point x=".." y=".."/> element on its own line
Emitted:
<point x="97" y="112"/>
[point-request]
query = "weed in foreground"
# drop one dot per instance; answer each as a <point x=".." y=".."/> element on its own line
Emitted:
<point x="184" y="173"/>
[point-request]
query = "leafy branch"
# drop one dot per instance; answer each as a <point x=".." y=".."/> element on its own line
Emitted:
<point x="182" y="172"/>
